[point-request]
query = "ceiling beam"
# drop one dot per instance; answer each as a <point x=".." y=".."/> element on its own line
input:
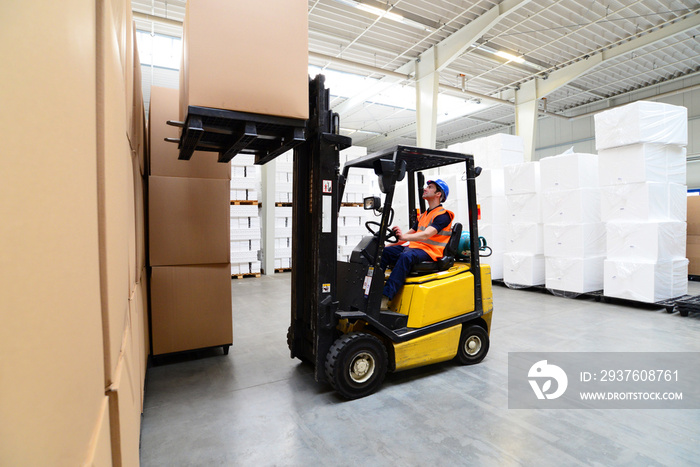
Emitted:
<point x="445" y="52"/>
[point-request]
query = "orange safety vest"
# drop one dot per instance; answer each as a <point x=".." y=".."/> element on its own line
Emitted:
<point x="435" y="245"/>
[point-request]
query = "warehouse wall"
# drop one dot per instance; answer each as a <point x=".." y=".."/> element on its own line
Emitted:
<point x="556" y="135"/>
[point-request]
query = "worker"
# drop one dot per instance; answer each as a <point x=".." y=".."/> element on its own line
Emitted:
<point x="427" y="240"/>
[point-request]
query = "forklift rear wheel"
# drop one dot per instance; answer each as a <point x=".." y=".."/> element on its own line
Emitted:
<point x="473" y="345"/>
<point x="356" y="365"/>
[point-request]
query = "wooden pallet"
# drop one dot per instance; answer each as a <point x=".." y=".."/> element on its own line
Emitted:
<point x="248" y="274"/>
<point x="246" y="202"/>
<point x="352" y="205"/>
<point x="283" y="269"/>
<point x="284" y="204"/>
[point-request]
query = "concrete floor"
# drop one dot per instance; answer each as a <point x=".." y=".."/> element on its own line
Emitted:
<point x="258" y="407"/>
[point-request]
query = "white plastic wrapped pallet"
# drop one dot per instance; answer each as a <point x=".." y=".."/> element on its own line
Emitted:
<point x="572" y="274"/>
<point x="574" y="240"/>
<point x="523" y="269"/>
<point x="644" y="162"/>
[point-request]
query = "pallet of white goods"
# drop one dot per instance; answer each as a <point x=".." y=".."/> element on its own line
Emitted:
<point x="243" y="210"/>
<point x="352" y="211"/>
<point x="494" y="235"/>
<point x="345" y="250"/>
<point x="525" y="207"/>
<point x="244" y="234"/>
<point x="283" y="232"/>
<point x="524" y="237"/>
<point x="641" y="122"/>
<point x="283" y="253"/>
<point x="284" y="166"/>
<point x="569" y="172"/>
<point x="648" y="201"/>
<point x="358" y="230"/>
<point x="283" y="211"/>
<point x="494" y="209"/>
<point x="574" y="240"/>
<point x="244" y="256"/>
<point x="495" y="261"/>
<point x="579" y="275"/>
<point x="238" y="246"/>
<point x="501" y="141"/>
<point x="523" y="270"/>
<point x="490" y="183"/>
<point x="644" y="162"/>
<point x="255" y="266"/>
<point x="244" y="183"/>
<point x="522" y="178"/>
<point x="580" y="206"/>
<point x="647" y="282"/>
<point x="242" y="160"/>
<point x="646" y="241"/>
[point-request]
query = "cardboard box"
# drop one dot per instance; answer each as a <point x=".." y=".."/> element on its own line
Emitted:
<point x="100" y="448"/>
<point x="640" y="241"/>
<point x="569" y="172"/>
<point x="580" y="206"/>
<point x="188" y="221"/>
<point x="574" y="240"/>
<point x="641" y="122"/>
<point x="647" y="282"/>
<point x="523" y="269"/>
<point x="525" y="207"/>
<point x="191" y="307"/>
<point x="648" y="201"/>
<point x="644" y="162"/>
<point x="164" y="155"/>
<point x="692" y="251"/>
<point x="578" y="275"/>
<point x="524" y="237"/>
<point x="693" y="214"/>
<point x="522" y="178"/>
<point x="229" y="63"/>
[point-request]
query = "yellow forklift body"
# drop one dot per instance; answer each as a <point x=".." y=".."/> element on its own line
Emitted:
<point x="443" y="295"/>
<point x="433" y="348"/>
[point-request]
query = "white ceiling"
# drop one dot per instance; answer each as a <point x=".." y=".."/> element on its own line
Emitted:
<point x="549" y="35"/>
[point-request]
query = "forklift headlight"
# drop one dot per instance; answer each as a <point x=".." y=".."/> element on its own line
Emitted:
<point x="372" y="202"/>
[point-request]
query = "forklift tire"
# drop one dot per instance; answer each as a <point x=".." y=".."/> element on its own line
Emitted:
<point x="473" y="344"/>
<point x="356" y="365"/>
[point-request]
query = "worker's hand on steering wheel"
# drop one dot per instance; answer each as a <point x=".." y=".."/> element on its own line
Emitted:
<point x="397" y="232"/>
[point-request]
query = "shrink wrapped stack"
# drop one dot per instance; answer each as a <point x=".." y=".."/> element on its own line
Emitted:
<point x="523" y="260"/>
<point x="493" y="154"/>
<point x="283" y="237"/>
<point x="642" y="169"/>
<point x="245" y="178"/>
<point x="574" y="236"/>
<point x="245" y="239"/>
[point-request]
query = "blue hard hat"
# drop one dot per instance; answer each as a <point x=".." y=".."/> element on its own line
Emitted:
<point x="443" y="188"/>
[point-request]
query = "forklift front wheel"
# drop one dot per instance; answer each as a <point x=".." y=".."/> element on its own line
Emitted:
<point x="356" y="365"/>
<point x="473" y="345"/>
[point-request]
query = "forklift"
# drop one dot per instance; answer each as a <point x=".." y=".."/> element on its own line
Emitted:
<point x="444" y="309"/>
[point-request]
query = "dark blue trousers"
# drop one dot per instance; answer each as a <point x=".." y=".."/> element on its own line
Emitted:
<point x="403" y="259"/>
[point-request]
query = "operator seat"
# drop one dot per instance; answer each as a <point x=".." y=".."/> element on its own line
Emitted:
<point x="448" y="258"/>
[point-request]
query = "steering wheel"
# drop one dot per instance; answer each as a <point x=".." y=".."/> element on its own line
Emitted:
<point x="390" y="234"/>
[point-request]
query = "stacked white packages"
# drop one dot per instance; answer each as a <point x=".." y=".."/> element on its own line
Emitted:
<point x="245" y="239"/>
<point x="523" y="260"/>
<point x="492" y="153"/>
<point x="245" y="178"/>
<point x="643" y="172"/>
<point x="284" y="176"/>
<point x="283" y="237"/>
<point x="574" y="236"/>
<point x="352" y="217"/>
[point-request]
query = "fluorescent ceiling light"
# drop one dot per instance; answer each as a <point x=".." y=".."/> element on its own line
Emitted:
<point x="380" y="12"/>
<point x="509" y="57"/>
<point x="383" y="13"/>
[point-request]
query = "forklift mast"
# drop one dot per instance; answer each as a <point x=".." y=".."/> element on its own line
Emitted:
<point x="316" y="200"/>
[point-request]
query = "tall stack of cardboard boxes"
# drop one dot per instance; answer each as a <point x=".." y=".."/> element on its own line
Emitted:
<point x="574" y="236"/>
<point x="74" y="334"/>
<point x="188" y="213"/>
<point x="641" y="148"/>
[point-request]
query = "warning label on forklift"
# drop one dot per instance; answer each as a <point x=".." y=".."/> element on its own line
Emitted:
<point x="328" y="186"/>
<point x="368" y="281"/>
<point x="325" y="288"/>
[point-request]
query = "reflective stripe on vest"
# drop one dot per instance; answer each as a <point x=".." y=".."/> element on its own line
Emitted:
<point x="435" y="245"/>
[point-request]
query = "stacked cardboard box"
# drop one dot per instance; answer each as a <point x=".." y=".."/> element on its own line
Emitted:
<point x="189" y="222"/>
<point x="642" y="167"/>
<point x="693" y="238"/>
<point x="211" y="74"/>
<point x="491" y="153"/>
<point x="75" y="335"/>
<point x="523" y="261"/>
<point x="574" y="236"/>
